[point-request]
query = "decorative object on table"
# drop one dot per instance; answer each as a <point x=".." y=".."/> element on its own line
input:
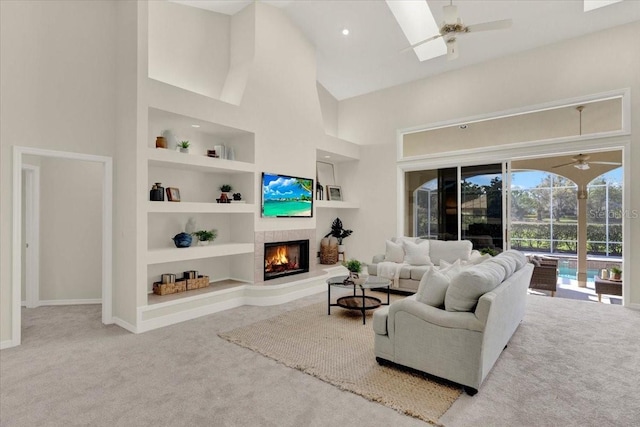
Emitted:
<point x="182" y="240"/>
<point x="604" y="273"/>
<point x="231" y="154"/>
<point x="172" y="140"/>
<point x="161" y="142"/>
<point x="205" y="236"/>
<point x="355" y="268"/>
<point x="190" y="227"/>
<point x="220" y="151"/>
<point x="212" y="153"/>
<point x="173" y="194"/>
<point x="237" y="196"/>
<point x="319" y="191"/>
<point x="334" y="193"/>
<point x="224" y="196"/>
<point x="157" y="193"/>
<point x="184" y="146"/>
<point x="197" y="282"/>
<point x="615" y="273"/>
<point x="339" y="233"/>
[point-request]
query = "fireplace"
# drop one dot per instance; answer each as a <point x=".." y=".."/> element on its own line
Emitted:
<point x="285" y="258"/>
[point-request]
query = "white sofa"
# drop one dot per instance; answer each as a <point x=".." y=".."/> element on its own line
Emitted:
<point x="461" y="339"/>
<point x="413" y="257"/>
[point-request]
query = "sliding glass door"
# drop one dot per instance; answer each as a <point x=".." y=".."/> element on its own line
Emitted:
<point x="456" y="203"/>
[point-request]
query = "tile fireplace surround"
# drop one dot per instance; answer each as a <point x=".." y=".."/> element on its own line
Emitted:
<point x="262" y="237"/>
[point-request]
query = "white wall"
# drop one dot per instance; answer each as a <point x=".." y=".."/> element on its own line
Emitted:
<point x="591" y="64"/>
<point x="57" y="78"/>
<point x="188" y="47"/>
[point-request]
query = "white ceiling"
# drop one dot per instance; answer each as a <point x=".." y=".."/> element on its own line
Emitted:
<point x="370" y="58"/>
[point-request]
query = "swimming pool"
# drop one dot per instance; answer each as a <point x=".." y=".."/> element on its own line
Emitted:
<point x="567" y="272"/>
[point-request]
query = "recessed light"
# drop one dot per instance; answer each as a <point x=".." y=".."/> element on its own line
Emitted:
<point x="195" y="126"/>
<point x="327" y="157"/>
<point x="462" y="126"/>
<point x="345" y="31"/>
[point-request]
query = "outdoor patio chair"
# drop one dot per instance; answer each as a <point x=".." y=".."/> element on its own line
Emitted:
<point x="545" y="274"/>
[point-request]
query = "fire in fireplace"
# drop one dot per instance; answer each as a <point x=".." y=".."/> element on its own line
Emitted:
<point x="285" y="258"/>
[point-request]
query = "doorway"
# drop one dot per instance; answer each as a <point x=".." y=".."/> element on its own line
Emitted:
<point x="104" y="230"/>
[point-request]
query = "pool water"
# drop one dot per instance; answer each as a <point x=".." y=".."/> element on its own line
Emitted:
<point x="570" y="273"/>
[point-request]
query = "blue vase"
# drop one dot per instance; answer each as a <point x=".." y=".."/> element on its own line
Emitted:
<point x="182" y="240"/>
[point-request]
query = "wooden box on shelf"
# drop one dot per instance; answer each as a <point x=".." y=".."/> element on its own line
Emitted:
<point x="200" y="282"/>
<point x="169" y="288"/>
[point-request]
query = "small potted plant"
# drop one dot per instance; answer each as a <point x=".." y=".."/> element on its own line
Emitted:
<point x="205" y="236"/>
<point x="355" y="268"/>
<point x="184" y="146"/>
<point x="225" y="189"/>
<point x="615" y="273"/>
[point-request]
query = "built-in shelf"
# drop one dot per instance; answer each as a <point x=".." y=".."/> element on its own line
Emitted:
<point x="194" y="162"/>
<point x="158" y="256"/>
<point x="332" y="204"/>
<point x="195" y="207"/>
<point x="182" y="297"/>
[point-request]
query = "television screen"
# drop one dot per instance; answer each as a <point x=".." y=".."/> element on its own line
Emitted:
<point x="286" y="196"/>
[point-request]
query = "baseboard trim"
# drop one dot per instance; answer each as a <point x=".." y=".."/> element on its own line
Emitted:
<point x="124" y="325"/>
<point x="70" y="301"/>
<point x="7" y="344"/>
<point x="633" y="306"/>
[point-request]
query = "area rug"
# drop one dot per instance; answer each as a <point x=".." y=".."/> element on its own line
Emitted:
<point x="338" y="349"/>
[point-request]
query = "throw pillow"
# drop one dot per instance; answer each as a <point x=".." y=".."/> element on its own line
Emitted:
<point x="467" y="287"/>
<point x="450" y="269"/>
<point x="433" y="288"/>
<point x="417" y="253"/>
<point x="449" y="250"/>
<point x="479" y="259"/>
<point x="393" y="252"/>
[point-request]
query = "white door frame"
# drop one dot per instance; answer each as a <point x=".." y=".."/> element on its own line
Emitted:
<point x="32" y="228"/>
<point x="107" y="231"/>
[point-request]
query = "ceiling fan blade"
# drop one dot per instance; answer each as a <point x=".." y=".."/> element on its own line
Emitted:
<point x="489" y="26"/>
<point x="450" y="14"/>
<point x="452" y="49"/>
<point x="420" y="43"/>
<point x="606" y="163"/>
<point x="564" y="164"/>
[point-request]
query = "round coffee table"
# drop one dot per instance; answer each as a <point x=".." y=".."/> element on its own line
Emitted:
<point x="360" y="302"/>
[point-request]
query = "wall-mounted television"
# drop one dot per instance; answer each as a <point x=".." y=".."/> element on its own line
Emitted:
<point x="285" y="196"/>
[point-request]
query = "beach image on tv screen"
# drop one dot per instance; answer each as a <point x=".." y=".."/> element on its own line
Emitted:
<point x="286" y="196"/>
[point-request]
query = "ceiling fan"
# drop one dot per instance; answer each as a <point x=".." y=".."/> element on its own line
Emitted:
<point x="452" y="27"/>
<point x="581" y="162"/>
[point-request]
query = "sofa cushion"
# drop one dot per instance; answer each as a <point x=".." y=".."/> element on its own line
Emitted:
<point x="470" y="284"/>
<point x="519" y="257"/>
<point x="393" y="252"/>
<point x="449" y="250"/>
<point x="433" y="288"/>
<point x="508" y="263"/>
<point x="417" y="253"/>
<point x="417" y="272"/>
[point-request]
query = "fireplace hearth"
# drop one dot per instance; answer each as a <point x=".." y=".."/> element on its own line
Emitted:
<point x="285" y="258"/>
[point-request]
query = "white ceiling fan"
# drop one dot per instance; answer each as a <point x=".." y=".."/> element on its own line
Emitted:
<point x="452" y="27"/>
<point x="581" y="162"/>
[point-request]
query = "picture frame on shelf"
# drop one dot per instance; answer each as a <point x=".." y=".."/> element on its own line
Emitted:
<point x="334" y="193"/>
<point x="173" y="194"/>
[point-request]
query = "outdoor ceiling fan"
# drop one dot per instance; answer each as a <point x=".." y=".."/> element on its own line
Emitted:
<point x="581" y="162"/>
<point x="452" y="27"/>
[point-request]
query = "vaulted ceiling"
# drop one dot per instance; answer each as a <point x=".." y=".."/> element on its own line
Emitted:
<point x="371" y="58"/>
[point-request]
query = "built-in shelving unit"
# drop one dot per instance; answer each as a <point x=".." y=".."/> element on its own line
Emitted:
<point x="198" y="178"/>
<point x="331" y="204"/>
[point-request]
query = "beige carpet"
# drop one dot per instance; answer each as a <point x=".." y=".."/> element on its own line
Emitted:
<point x="338" y="349"/>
